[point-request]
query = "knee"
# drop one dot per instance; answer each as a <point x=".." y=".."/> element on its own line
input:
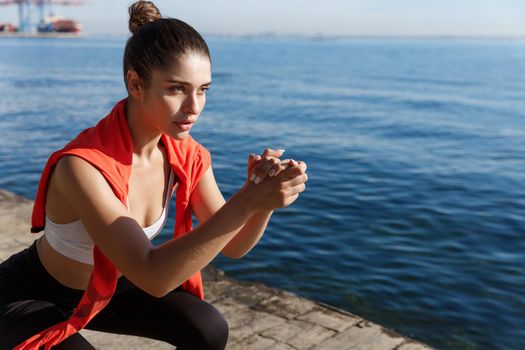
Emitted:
<point x="213" y="331"/>
<point x="192" y="324"/>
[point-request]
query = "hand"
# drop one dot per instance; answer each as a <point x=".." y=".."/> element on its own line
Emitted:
<point x="278" y="191"/>
<point x="269" y="164"/>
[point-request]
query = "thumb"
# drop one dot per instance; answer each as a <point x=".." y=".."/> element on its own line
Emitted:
<point x="253" y="159"/>
<point x="273" y="152"/>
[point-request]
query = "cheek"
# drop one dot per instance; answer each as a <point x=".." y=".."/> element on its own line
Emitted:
<point x="158" y="108"/>
<point x="202" y="102"/>
<point x="167" y="102"/>
<point x="174" y="103"/>
<point x="153" y="99"/>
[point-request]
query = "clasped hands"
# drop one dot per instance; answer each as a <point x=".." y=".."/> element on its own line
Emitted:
<point x="274" y="183"/>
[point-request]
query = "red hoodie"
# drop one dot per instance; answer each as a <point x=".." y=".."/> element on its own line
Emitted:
<point x="108" y="147"/>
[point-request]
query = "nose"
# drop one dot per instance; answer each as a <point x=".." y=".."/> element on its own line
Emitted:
<point x="192" y="104"/>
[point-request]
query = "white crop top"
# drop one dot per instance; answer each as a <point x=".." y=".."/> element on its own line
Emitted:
<point x="72" y="239"/>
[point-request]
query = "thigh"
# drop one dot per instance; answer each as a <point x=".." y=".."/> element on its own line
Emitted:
<point x="31" y="300"/>
<point x="178" y="318"/>
<point x="22" y="319"/>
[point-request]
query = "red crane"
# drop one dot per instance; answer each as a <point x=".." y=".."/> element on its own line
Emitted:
<point x="25" y="9"/>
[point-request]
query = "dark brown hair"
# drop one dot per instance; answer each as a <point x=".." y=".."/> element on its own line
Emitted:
<point x="156" y="42"/>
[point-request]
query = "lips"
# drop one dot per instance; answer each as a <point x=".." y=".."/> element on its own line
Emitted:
<point x="186" y="125"/>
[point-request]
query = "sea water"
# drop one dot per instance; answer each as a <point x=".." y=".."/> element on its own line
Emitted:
<point x="413" y="216"/>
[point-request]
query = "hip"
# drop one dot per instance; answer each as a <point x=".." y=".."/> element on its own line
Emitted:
<point x="23" y="277"/>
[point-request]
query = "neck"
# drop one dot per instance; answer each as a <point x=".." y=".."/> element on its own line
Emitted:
<point x="145" y="138"/>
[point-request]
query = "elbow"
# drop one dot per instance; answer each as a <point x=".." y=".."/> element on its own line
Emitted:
<point x="237" y="257"/>
<point x="154" y="289"/>
<point x="157" y="290"/>
<point x="232" y="255"/>
<point x="150" y="281"/>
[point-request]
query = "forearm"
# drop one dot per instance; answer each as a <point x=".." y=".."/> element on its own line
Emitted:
<point x="248" y="236"/>
<point x="173" y="262"/>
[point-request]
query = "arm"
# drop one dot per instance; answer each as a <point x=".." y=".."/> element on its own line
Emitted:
<point x="207" y="199"/>
<point x="260" y="168"/>
<point x="158" y="270"/>
<point x="248" y="236"/>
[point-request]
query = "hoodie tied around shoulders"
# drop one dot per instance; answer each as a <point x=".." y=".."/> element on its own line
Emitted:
<point x="108" y="147"/>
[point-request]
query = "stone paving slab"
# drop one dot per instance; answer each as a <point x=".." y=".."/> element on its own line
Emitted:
<point x="365" y="335"/>
<point x="413" y="346"/>
<point x="259" y="317"/>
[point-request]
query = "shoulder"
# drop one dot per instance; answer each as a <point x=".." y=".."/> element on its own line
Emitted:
<point x="87" y="192"/>
<point x="73" y="173"/>
<point x="72" y="165"/>
<point x="75" y="164"/>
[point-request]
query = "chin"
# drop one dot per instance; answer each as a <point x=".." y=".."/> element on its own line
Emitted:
<point x="178" y="135"/>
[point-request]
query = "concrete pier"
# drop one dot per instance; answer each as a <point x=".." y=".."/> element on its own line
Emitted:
<point x="259" y="317"/>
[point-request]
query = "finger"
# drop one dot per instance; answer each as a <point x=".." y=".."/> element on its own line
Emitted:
<point x="279" y="167"/>
<point x="302" y="165"/>
<point x="264" y="169"/>
<point x="297" y="189"/>
<point x="300" y="179"/>
<point x="256" y="168"/>
<point x="291" y="199"/>
<point x="253" y="159"/>
<point x="255" y="177"/>
<point x="268" y="152"/>
<point x="254" y="156"/>
<point x="295" y="169"/>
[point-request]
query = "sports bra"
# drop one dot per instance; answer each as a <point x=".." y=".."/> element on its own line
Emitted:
<point x="73" y="241"/>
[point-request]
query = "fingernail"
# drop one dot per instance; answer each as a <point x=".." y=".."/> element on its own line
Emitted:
<point x="252" y="177"/>
<point x="281" y="150"/>
<point x="257" y="180"/>
<point x="271" y="172"/>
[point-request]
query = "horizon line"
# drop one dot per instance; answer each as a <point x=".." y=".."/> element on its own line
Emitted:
<point x="341" y="36"/>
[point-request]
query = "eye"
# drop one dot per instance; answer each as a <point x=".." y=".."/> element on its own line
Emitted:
<point x="176" y="88"/>
<point x="203" y="90"/>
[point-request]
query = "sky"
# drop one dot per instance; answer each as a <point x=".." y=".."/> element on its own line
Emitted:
<point x="487" y="18"/>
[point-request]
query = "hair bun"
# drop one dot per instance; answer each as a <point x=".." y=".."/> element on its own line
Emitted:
<point x="140" y="13"/>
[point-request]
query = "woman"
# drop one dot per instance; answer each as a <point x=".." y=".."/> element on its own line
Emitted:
<point x="105" y="195"/>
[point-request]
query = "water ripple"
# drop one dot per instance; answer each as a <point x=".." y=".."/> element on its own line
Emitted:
<point x="413" y="214"/>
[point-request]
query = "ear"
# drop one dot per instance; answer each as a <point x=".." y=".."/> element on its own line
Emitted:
<point x="134" y="84"/>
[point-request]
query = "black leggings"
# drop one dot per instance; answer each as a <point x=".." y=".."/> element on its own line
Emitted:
<point x="31" y="300"/>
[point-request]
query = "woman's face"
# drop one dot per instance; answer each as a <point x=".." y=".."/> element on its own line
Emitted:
<point x="176" y="97"/>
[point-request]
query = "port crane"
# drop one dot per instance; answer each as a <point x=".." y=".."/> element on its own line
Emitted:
<point x="26" y="7"/>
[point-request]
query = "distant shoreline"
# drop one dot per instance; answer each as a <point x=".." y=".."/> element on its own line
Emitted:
<point x="40" y="35"/>
<point x="314" y="37"/>
<point x="364" y="36"/>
